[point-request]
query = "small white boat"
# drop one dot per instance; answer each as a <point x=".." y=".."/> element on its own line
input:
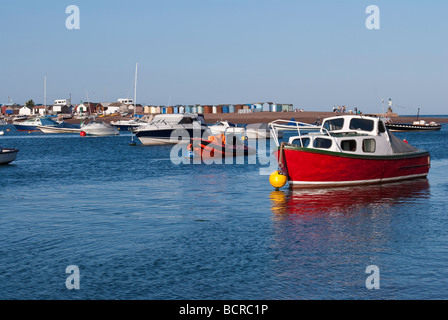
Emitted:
<point x="61" y="129"/>
<point x="226" y="127"/>
<point x="51" y="126"/>
<point x="7" y="155"/>
<point x="96" y="128"/>
<point x="260" y="131"/>
<point x="2" y="133"/>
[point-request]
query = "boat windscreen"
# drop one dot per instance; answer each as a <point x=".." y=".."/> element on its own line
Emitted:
<point x="334" y="124"/>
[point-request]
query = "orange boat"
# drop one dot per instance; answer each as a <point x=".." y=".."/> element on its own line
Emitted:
<point x="219" y="146"/>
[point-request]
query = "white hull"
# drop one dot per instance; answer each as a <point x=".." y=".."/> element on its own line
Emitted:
<point x="46" y="129"/>
<point x="99" y="129"/>
<point x="146" y="141"/>
<point x="336" y="184"/>
<point x="8" y="156"/>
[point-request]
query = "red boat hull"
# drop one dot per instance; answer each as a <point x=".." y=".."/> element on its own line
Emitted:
<point x="308" y="168"/>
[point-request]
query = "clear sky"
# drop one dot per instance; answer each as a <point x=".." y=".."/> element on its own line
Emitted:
<point x="312" y="53"/>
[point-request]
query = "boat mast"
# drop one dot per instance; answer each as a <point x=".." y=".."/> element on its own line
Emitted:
<point x="418" y="114"/>
<point x="135" y="90"/>
<point x="45" y="93"/>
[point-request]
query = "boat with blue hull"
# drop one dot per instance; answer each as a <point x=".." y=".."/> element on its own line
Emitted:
<point x="33" y="123"/>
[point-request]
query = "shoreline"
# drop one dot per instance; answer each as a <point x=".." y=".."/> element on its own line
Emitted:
<point x="267" y="117"/>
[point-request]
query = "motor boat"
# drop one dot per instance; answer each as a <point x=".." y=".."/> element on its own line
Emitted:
<point x="32" y="124"/>
<point x="220" y="146"/>
<point x="7" y="155"/>
<point x="260" y="131"/>
<point x="172" y="129"/>
<point x="419" y="125"/>
<point x="52" y="126"/>
<point x="346" y="150"/>
<point x="99" y="128"/>
<point x="226" y="127"/>
<point x="132" y="124"/>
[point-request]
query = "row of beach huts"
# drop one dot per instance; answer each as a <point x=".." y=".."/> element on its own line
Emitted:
<point x="126" y="106"/>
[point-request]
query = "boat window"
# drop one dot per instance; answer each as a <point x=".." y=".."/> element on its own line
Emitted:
<point x="186" y="120"/>
<point x="369" y="145"/>
<point x="302" y="142"/>
<point x="361" y="124"/>
<point x="381" y="127"/>
<point x="348" y="145"/>
<point x="334" y="124"/>
<point x="322" y="143"/>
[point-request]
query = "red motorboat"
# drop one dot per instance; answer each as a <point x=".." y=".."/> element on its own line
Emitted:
<point x="220" y="146"/>
<point x="347" y="150"/>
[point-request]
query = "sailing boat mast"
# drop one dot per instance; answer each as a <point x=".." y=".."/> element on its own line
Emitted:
<point x="45" y="91"/>
<point x="135" y="90"/>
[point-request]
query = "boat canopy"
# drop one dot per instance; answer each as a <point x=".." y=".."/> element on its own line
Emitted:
<point x="177" y="119"/>
<point x="399" y="146"/>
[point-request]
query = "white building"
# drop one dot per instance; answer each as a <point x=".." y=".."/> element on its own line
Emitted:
<point x="65" y="102"/>
<point x="126" y="101"/>
<point x="25" y="111"/>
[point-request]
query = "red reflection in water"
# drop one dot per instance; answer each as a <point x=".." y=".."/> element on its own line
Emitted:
<point x="347" y="200"/>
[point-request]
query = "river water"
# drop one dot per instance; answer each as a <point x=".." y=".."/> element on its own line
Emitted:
<point x="137" y="226"/>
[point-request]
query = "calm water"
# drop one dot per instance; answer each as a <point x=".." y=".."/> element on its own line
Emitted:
<point x="140" y="227"/>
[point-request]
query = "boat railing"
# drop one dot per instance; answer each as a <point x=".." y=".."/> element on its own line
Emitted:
<point x="300" y="127"/>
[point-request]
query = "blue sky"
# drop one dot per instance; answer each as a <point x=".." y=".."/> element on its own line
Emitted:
<point x="314" y="54"/>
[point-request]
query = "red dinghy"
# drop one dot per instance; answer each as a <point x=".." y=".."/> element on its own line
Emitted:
<point x="218" y="146"/>
<point x="347" y="150"/>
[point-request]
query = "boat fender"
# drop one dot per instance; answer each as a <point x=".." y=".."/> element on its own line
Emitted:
<point x="278" y="179"/>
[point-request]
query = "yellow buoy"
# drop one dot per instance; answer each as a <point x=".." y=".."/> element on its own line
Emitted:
<point x="278" y="179"/>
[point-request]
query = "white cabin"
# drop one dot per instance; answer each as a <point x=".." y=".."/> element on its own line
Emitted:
<point x="360" y="135"/>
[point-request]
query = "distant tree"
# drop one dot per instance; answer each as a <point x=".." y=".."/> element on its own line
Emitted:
<point x="30" y="104"/>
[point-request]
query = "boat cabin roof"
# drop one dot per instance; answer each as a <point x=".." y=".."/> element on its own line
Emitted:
<point x="178" y="118"/>
<point x="354" y="124"/>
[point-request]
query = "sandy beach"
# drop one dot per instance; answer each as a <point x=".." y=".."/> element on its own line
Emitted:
<point x="267" y="117"/>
